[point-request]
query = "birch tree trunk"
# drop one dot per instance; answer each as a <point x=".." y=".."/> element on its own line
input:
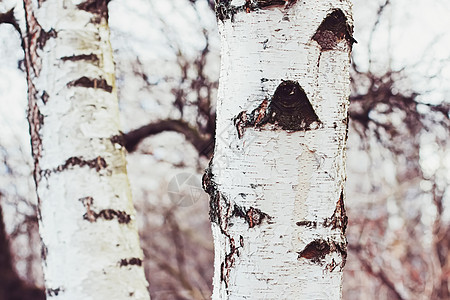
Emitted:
<point x="277" y="178"/>
<point x="90" y="242"/>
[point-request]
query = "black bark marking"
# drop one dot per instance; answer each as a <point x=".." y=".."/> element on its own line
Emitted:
<point x="96" y="83"/>
<point x="210" y="187"/>
<point x="109" y="214"/>
<point x="97" y="163"/>
<point x="339" y="218"/>
<point x="333" y="29"/>
<point x="44" y="36"/>
<point x="89" y="57"/>
<point x="289" y="109"/>
<point x="44" y="97"/>
<point x="224" y="9"/>
<point x="106" y="214"/>
<point x="44" y="252"/>
<point x="252" y="216"/>
<point x="54" y="292"/>
<point x="8" y="18"/>
<point x="99" y="8"/>
<point x="118" y="139"/>
<point x="312" y="224"/>
<point x="315" y="251"/>
<point x="134" y="261"/>
<point x="220" y="213"/>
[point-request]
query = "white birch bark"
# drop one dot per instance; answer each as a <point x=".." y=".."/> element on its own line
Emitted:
<point x="277" y="177"/>
<point x="87" y="221"/>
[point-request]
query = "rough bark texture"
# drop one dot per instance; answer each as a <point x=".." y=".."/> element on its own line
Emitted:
<point x="277" y="177"/>
<point x="90" y="242"/>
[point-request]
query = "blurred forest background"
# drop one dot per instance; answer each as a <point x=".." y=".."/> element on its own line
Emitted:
<point x="167" y="56"/>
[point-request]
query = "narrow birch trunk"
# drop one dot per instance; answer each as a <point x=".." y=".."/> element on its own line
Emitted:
<point x="277" y="178"/>
<point x="90" y="242"/>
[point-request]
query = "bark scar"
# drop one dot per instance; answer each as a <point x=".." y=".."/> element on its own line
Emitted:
<point x="315" y="251"/>
<point x="252" y="216"/>
<point x="333" y="29"/>
<point x="289" y="109"/>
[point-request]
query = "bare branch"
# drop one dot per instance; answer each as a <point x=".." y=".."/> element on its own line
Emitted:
<point x="201" y="143"/>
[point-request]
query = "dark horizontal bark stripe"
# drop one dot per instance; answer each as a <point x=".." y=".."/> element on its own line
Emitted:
<point x="134" y="261"/>
<point x="307" y="223"/>
<point x="96" y="83"/>
<point x="97" y="163"/>
<point x="108" y="214"/>
<point x="54" y="292"/>
<point x="89" y="57"/>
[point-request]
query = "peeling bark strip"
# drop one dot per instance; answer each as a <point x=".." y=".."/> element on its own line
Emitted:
<point x="332" y="30"/>
<point x="134" y="261"/>
<point x="289" y="109"/>
<point x="224" y="9"/>
<point x="96" y="83"/>
<point x="252" y="216"/>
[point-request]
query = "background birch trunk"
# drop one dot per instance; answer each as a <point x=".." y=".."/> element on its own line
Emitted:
<point x="277" y="178"/>
<point x="90" y="241"/>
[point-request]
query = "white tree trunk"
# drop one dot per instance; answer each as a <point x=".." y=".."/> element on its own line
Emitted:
<point x="277" y="177"/>
<point x="90" y="242"/>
